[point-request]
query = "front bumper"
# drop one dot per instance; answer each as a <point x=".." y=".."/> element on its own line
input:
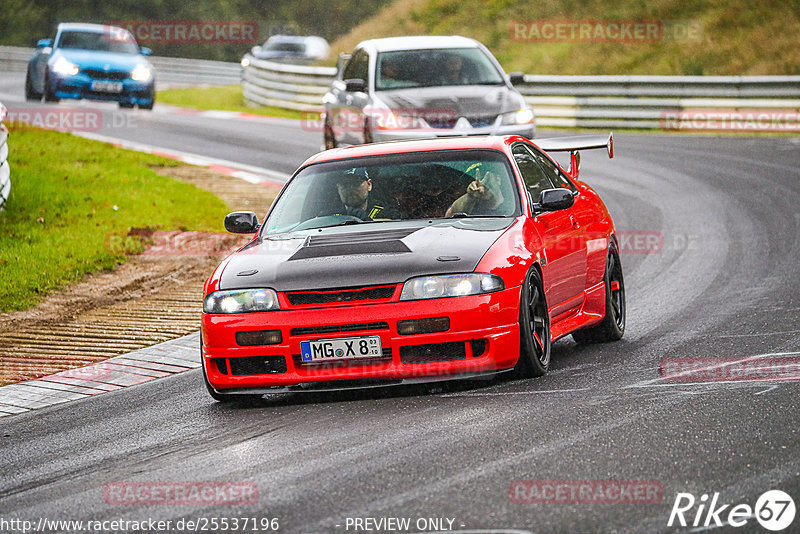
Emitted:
<point x="79" y="86"/>
<point x="483" y="338"/>
<point x="525" y="130"/>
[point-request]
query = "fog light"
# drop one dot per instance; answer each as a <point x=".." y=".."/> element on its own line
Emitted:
<point x="423" y="326"/>
<point x="259" y="337"/>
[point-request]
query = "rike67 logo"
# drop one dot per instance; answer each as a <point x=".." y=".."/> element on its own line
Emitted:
<point x="774" y="510"/>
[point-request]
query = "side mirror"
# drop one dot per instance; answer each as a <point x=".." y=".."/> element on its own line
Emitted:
<point x="554" y="200"/>
<point x="241" y="222"/>
<point x="145" y="51"/>
<point x="342" y="61"/>
<point x="44" y="43"/>
<point x="356" y="85"/>
<point x="516" y="78"/>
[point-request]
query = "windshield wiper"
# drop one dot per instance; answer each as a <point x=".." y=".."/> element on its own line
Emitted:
<point x="462" y="215"/>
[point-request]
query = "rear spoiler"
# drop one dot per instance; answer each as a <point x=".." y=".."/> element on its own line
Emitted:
<point x="574" y="144"/>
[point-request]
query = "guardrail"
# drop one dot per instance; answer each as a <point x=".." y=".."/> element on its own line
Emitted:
<point x="558" y="101"/>
<point x="563" y="101"/>
<point x="5" y="170"/>
<point x="267" y="83"/>
<point x="168" y="69"/>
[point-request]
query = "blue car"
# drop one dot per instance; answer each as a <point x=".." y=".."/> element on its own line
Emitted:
<point x="92" y="61"/>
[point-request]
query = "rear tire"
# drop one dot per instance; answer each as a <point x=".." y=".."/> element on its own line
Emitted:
<point x="534" y="325"/>
<point x="30" y="92"/>
<point x="125" y="105"/>
<point x="612" y="327"/>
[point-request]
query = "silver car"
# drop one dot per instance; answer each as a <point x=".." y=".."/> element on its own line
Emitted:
<point x="422" y="87"/>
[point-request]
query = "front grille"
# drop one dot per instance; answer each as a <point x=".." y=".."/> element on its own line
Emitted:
<point x="103" y="75"/>
<point x="386" y="356"/>
<point x="441" y="122"/>
<point x="258" y="365"/>
<point x="450" y="122"/>
<point x="480" y="122"/>
<point x="433" y="352"/>
<point x="308" y="330"/>
<point x="342" y="295"/>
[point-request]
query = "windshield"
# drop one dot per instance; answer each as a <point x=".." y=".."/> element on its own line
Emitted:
<point x="438" y="67"/>
<point x="118" y="40"/>
<point x="422" y="185"/>
<point x="285" y="46"/>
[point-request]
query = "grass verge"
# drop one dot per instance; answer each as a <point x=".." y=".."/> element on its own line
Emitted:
<point x="70" y="196"/>
<point x="224" y="98"/>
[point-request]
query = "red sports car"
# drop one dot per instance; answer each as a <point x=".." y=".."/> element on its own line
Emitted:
<point x="414" y="261"/>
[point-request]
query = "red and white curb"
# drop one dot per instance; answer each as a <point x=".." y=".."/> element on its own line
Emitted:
<point x="249" y="173"/>
<point x="165" y="359"/>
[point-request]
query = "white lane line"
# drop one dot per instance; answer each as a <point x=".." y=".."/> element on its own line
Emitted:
<point x="503" y="393"/>
<point x="761" y="334"/>
<point x="246" y="172"/>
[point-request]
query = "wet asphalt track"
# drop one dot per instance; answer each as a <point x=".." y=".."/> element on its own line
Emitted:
<point x="724" y="285"/>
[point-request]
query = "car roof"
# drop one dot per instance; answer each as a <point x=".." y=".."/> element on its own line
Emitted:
<point x="418" y="42"/>
<point x="492" y="142"/>
<point x="84" y="26"/>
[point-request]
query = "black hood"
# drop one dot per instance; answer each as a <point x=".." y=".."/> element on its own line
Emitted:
<point x="360" y="256"/>
<point x="468" y="101"/>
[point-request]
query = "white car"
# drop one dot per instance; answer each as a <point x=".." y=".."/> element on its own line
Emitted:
<point x="421" y="87"/>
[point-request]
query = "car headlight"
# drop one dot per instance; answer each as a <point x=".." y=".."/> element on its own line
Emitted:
<point x="521" y="116"/>
<point x="141" y="73"/>
<point x="241" y="301"/>
<point x="65" y="67"/>
<point x="454" y="285"/>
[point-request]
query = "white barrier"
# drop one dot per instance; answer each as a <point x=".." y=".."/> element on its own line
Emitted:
<point x="5" y="169"/>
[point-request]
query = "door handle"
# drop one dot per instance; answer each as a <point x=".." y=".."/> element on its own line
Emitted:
<point x="575" y="223"/>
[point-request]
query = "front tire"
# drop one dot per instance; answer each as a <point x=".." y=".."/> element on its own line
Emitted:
<point x="612" y="327"/>
<point x="534" y="325"/>
<point x="327" y="132"/>
<point x="49" y="93"/>
<point x="30" y="92"/>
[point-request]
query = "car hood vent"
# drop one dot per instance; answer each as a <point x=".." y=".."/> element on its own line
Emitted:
<point x="385" y="242"/>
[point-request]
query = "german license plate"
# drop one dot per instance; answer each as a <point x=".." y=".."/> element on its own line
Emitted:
<point x="107" y="87"/>
<point x="324" y="350"/>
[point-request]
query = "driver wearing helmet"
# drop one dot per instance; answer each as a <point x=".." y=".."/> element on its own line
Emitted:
<point x="355" y="191"/>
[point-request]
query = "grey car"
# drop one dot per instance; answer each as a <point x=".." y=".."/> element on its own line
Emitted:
<point x="422" y="87"/>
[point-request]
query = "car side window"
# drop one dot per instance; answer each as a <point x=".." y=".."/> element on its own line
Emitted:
<point x="552" y="171"/>
<point x="358" y="66"/>
<point x="536" y="180"/>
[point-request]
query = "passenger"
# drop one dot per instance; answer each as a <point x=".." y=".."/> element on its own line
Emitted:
<point x="483" y="197"/>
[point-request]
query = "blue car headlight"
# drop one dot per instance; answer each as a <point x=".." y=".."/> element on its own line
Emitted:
<point x="241" y="301"/>
<point x="65" y="67"/>
<point x="141" y="73"/>
<point x="453" y="285"/>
